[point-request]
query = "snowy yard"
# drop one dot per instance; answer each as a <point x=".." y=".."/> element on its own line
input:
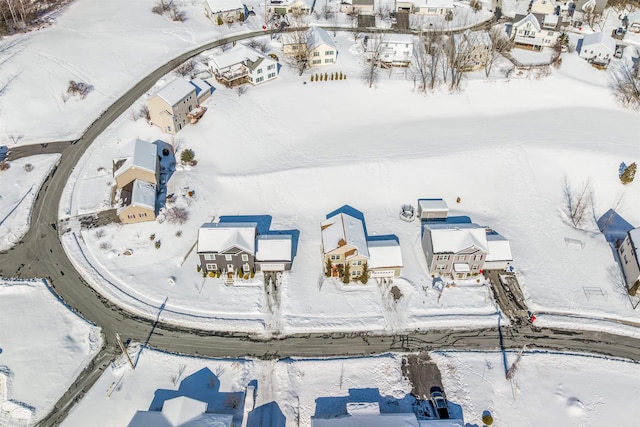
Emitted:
<point x="19" y="187"/>
<point x="43" y="348"/>
<point x="552" y="389"/>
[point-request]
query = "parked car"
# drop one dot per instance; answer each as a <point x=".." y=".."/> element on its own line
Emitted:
<point x="439" y="403"/>
<point x="4" y="152"/>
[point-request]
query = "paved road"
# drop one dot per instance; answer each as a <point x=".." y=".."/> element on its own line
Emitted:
<point x="40" y="254"/>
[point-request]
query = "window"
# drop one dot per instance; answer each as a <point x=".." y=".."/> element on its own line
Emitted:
<point x="317" y="61"/>
<point x="245" y="268"/>
<point x="245" y="257"/>
<point x="259" y="79"/>
<point x="271" y="67"/>
<point x="441" y="267"/>
<point x="550" y="33"/>
<point x="461" y="257"/>
<point x="131" y="216"/>
<point x="212" y="267"/>
<point x="356" y="262"/>
<point x="294" y="47"/>
<point x="328" y="61"/>
<point x="328" y="52"/>
<point x="228" y="257"/>
<point x="142" y="215"/>
<point x="474" y="267"/>
<point x="335" y="257"/>
<point x="316" y="53"/>
<point x="271" y="75"/>
<point x="355" y="273"/>
<point x="626" y="261"/>
<point x="442" y="258"/>
<point x="168" y="128"/>
<point x="259" y="70"/>
<point x="210" y="257"/>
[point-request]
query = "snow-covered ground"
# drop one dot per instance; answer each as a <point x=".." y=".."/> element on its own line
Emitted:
<point x="546" y="389"/>
<point x="19" y="186"/>
<point x="43" y="348"/>
<point x="552" y="389"/>
<point x="297" y="150"/>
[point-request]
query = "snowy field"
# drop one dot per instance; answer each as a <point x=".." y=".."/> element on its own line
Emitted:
<point x="550" y="389"/>
<point x="19" y="186"/>
<point x="43" y="348"/>
<point x="111" y="46"/>
<point x="546" y="390"/>
<point x="299" y="151"/>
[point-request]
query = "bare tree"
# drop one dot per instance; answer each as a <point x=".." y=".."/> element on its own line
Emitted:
<point x="625" y="82"/>
<point x="427" y="57"/>
<point x="577" y="201"/>
<point x="259" y="44"/>
<point x="296" y="42"/>
<point x="372" y="51"/>
<point x="457" y="52"/>
<point x="186" y="68"/>
<point x="499" y="43"/>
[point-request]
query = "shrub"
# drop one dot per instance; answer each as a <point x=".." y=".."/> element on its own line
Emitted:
<point x="212" y="274"/>
<point x="177" y="215"/>
<point x="629" y="174"/>
<point x="328" y="268"/>
<point x="158" y="244"/>
<point x="311" y="77"/>
<point x="187" y="155"/>
<point x="152" y="237"/>
<point x="79" y="88"/>
<point x="218" y="274"/>
<point x="105" y="246"/>
<point x="198" y="268"/>
<point x="458" y="200"/>
<point x="346" y="275"/>
<point x="186" y="68"/>
<point x="178" y="233"/>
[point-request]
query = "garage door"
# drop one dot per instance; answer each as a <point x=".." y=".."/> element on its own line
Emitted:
<point x="272" y="267"/>
<point x="382" y="273"/>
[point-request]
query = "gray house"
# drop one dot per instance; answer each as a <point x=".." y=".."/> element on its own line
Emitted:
<point x="458" y="250"/>
<point x="227" y="248"/>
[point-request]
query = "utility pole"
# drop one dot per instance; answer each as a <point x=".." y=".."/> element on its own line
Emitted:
<point x="124" y="350"/>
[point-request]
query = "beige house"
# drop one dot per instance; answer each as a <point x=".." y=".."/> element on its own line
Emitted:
<point x="173" y="106"/>
<point x="544" y="7"/>
<point x="357" y="7"/>
<point x="473" y="48"/>
<point x="630" y="260"/>
<point x="135" y="170"/>
<point x="385" y="259"/>
<point x="344" y="243"/>
<point x="224" y="11"/>
<point x="316" y="46"/>
<point x="282" y="7"/>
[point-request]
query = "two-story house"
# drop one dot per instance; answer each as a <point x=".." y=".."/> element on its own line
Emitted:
<point x="535" y="31"/>
<point x="283" y="7"/>
<point x="177" y="103"/>
<point x="425" y="7"/>
<point x="458" y="250"/>
<point x="243" y="64"/>
<point x="471" y="49"/>
<point x="543" y="7"/>
<point x="344" y="242"/>
<point x="357" y="7"/>
<point x="317" y="47"/>
<point x="227" y="247"/>
<point x="630" y="260"/>
<point x="391" y="49"/>
<point x="224" y="11"/>
<point x="135" y="170"/>
<point x="274" y="252"/>
<point x="597" y="48"/>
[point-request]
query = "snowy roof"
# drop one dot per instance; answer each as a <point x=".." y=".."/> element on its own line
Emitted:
<point x="273" y="247"/>
<point x="143" y="194"/>
<point x="599" y="38"/>
<point x="201" y="85"/>
<point x="551" y="20"/>
<point x="633" y="17"/>
<point x="441" y="423"/>
<point x="384" y="253"/>
<point x="175" y="91"/>
<point x="180" y="412"/>
<point x="218" y="237"/>
<point x="534" y="19"/>
<point x="137" y="154"/>
<point x="318" y="37"/>
<point x="433" y="205"/>
<point x="344" y="227"/>
<point x="445" y="4"/>
<point x="499" y="248"/>
<point x="589" y="6"/>
<point x="238" y="54"/>
<point x="454" y="238"/>
<point x="372" y="420"/>
<point x="358" y="2"/>
<point x="224" y="5"/>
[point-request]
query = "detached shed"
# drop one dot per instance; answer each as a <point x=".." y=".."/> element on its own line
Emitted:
<point x="432" y="210"/>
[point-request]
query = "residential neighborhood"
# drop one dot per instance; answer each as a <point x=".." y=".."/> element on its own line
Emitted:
<point x="300" y="213"/>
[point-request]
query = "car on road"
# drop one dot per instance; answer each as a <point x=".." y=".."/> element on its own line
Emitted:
<point x="439" y="403"/>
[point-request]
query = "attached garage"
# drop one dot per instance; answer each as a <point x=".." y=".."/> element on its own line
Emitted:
<point x="272" y="267"/>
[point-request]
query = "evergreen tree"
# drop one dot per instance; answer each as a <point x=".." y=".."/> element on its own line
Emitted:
<point x="346" y="276"/>
<point x="328" y="268"/>
<point x="628" y="174"/>
<point x="364" y="277"/>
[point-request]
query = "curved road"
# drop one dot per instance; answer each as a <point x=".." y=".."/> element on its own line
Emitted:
<point x="40" y="255"/>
